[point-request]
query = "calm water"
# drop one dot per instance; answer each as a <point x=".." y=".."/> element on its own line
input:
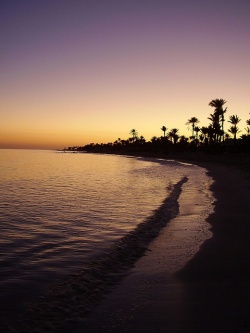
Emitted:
<point x="59" y="210"/>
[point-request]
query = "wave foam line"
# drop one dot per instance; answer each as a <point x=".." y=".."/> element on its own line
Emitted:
<point x="68" y="303"/>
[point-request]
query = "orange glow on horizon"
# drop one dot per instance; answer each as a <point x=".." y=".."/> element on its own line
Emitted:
<point x="94" y="77"/>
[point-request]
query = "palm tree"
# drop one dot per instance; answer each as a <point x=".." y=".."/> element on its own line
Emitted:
<point x="134" y="134"/>
<point x="117" y="142"/>
<point x="197" y="130"/>
<point x="234" y="130"/>
<point x="183" y="138"/>
<point x="218" y="104"/>
<point x="173" y="135"/>
<point x="154" y="142"/>
<point x="193" y="121"/>
<point x="164" y="130"/>
<point x="211" y="134"/>
<point x="214" y="117"/>
<point x="124" y="143"/>
<point x="142" y="140"/>
<point x="205" y="133"/>
<point x="234" y="120"/>
<point x="248" y="128"/>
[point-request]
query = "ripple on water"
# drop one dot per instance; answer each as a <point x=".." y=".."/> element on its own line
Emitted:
<point x="58" y="211"/>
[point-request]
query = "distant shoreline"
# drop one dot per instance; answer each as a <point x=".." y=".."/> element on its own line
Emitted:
<point x="239" y="160"/>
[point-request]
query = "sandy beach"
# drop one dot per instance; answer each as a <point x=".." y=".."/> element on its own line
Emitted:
<point x="210" y="293"/>
<point x="181" y="284"/>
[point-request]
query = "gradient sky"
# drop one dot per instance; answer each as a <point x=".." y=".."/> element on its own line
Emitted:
<point x="81" y="71"/>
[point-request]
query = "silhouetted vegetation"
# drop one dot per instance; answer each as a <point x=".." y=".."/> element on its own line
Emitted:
<point x="211" y="139"/>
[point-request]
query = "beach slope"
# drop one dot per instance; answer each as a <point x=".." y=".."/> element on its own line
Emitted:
<point x="210" y="293"/>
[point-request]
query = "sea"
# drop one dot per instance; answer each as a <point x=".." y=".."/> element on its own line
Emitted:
<point x="60" y="210"/>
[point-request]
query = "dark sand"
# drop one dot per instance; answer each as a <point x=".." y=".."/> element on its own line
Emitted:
<point x="210" y="293"/>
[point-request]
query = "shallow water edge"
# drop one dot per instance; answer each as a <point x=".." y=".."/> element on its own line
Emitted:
<point x="72" y="299"/>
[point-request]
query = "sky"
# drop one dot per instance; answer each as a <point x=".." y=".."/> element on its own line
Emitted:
<point x="75" y="72"/>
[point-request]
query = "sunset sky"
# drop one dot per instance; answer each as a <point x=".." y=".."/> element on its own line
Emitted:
<point x="81" y="71"/>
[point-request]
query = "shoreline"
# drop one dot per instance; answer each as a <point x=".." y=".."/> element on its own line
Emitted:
<point x="201" y="296"/>
<point x="211" y="292"/>
<point x="73" y="298"/>
<point x="239" y="160"/>
<point x="217" y="296"/>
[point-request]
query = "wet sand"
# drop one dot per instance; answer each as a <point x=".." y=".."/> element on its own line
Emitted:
<point x="209" y="293"/>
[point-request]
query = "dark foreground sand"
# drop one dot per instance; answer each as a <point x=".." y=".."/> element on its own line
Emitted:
<point x="211" y="293"/>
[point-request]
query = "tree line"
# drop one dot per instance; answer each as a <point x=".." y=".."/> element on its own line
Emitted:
<point x="212" y="138"/>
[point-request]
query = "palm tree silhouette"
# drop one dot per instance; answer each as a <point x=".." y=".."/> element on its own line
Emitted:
<point x="214" y="117"/>
<point x="134" y="134"/>
<point x="234" y="130"/>
<point x="219" y="112"/>
<point x="205" y="133"/>
<point x="173" y="135"/>
<point x="197" y="130"/>
<point x="209" y="137"/>
<point x="248" y="128"/>
<point x="193" y="121"/>
<point x="164" y="130"/>
<point x="142" y="140"/>
<point x="234" y="120"/>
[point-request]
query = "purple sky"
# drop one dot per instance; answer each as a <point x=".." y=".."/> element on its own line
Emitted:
<point x="74" y="72"/>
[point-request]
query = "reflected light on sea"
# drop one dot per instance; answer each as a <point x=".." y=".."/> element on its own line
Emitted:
<point x="58" y="210"/>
